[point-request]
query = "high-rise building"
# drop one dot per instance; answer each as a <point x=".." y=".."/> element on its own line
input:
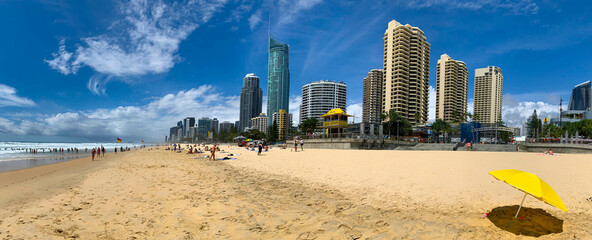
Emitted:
<point x="283" y="119"/>
<point x="192" y="133"/>
<point x="260" y="123"/>
<point x="215" y="125"/>
<point x="489" y="83"/>
<point x="406" y="72"/>
<point x="226" y="126"/>
<point x="320" y="97"/>
<point x="173" y="133"/>
<point x="452" y="86"/>
<point x="581" y="97"/>
<point x="187" y="123"/>
<point x="204" y="125"/>
<point x="278" y="80"/>
<point x="180" y="125"/>
<point x="250" y="101"/>
<point x="372" y="96"/>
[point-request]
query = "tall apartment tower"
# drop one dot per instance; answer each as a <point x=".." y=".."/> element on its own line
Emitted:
<point x="187" y="123"/>
<point x="278" y="80"/>
<point x="406" y="72"/>
<point x="320" y="97"/>
<point x="204" y="125"/>
<point x="489" y="83"/>
<point x="215" y="125"/>
<point x="452" y="86"/>
<point x="372" y="96"/>
<point x="250" y="101"/>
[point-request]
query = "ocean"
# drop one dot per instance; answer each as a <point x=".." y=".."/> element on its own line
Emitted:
<point x="14" y="155"/>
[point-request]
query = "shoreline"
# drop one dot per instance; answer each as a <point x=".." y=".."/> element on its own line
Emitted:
<point x="25" y="163"/>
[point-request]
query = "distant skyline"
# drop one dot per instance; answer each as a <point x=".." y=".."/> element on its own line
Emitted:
<point x="93" y="71"/>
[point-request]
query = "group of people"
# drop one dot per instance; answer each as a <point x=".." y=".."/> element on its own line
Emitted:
<point x="97" y="151"/>
<point x="296" y="142"/>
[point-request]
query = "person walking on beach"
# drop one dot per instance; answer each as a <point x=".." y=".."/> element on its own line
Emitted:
<point x="260" y="148"/>
<point x="302" y="144"/>
<point x="295" y="144"/>
<point x="213" y="153"/>
<point x="93" y="154"/>
<point x="103" y="150"/>
<point x="98" y="152"/>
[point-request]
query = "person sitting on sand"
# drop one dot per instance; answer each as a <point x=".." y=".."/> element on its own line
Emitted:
<point x="550" y="152"/>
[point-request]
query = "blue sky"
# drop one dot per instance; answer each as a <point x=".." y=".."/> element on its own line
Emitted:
<point x="94" y="70"/>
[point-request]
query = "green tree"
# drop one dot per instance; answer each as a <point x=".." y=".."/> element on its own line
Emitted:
<point x="440" y="126"/>
<point x="534" y="125"/>
<point x="394" y="122"/>
<point x="309" y="125"/>
<point x="417" y="118"/>
<point x="550" y="130"/>
<point x="254" y="134"/>
<point x="272" y="132"/>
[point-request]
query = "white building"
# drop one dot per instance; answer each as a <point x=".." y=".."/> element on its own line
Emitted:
<point x="320" y="97"/>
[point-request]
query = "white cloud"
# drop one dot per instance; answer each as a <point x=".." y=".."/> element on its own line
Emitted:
<point x="255" y="19"/>
<point x="290" y="10"/>
<point x="355" y="109"/>
<point x="432" y="104"/>
<point x="144" y="41"/>
<point x="515" y="113"/>
<point x="9" y="98"/>
<point x="295" y="102"/>
<point x="518" y="7"/>
<point x="62" y="60"/>
<point x="148" y="122"/>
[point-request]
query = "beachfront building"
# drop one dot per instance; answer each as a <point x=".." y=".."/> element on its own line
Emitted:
<point x="581" y="97"/>
<point x="173" y="133"/>
<point x="192" y="134"/>
<point x="204" y="126"/>
<point x="372" y="96"/>
<point x="579" y="107"/>
<point x="335" y="123"/>
<point x="452" y="87"/>
<point x="488" y="95"/>
<point x="188" y="122"/>
<point x="283" y="119"/>
<point x="250" y="100"/>
<point x="260" y="123"/>
<point x="406" y="69"/>
<point x="278" y="79"/>
<point x="215" y="124"/>
<point x="320" y="97"/>
<point x="226" y="126"/>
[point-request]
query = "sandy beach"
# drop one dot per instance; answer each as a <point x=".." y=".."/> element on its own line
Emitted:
<point x="314" y="194"/>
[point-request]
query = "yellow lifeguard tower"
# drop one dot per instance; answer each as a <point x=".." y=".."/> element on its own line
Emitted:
<point x="335" y="121"/>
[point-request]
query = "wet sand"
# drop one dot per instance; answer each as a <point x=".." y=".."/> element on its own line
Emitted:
<point x="315" y="194"/>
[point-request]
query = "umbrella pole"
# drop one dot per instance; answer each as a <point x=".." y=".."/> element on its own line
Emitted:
<point x="520" y="205"/>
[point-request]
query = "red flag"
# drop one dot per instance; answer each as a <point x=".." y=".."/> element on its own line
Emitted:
<point x="119" y="140"/>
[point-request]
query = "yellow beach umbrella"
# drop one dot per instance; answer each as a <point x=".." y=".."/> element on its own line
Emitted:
<point x="529" y="184"/>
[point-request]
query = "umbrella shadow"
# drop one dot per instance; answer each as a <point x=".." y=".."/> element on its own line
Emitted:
<point x="534" y="222"/>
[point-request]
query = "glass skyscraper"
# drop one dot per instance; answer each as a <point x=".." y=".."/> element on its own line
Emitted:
<point x="278" y="79"/>
<point x="581" y="97"/>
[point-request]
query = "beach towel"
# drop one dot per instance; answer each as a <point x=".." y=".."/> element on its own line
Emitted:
<point x="226" y="158"/>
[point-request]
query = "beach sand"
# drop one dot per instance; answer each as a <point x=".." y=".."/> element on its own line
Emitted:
<point x="315" y="194"/>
